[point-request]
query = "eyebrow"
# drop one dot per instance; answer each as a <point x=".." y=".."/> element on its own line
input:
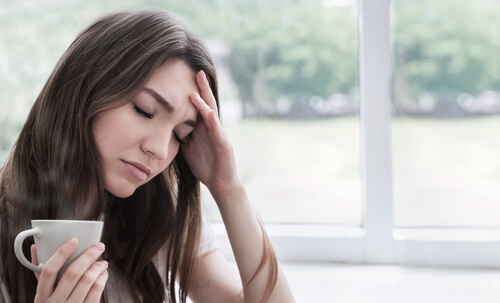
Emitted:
<point x="165" y="104"/>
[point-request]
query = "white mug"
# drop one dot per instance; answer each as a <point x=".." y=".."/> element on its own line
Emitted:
<point x="51" y="234"/>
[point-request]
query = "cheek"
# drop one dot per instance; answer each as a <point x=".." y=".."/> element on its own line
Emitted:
<point x="110" y="143"/>
<point x="124" y="137"/>
<point x="113" y="129"/>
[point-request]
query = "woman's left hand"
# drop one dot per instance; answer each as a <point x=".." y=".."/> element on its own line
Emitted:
<point x="208" y="152"/>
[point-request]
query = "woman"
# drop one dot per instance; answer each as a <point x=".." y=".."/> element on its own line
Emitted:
<point x="124" y="131"/>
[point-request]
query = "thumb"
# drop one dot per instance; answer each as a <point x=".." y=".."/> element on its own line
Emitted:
<point x="34" y="260"/>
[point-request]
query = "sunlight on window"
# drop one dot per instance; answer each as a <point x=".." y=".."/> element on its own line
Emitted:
<point x="446" y="113"/>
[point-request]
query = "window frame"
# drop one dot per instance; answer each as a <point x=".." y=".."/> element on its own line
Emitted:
<point x="377" y="241"/>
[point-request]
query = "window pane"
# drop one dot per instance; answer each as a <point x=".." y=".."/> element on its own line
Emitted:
<point x="293" y="113"/>
<point x="446" y="113"/>
<point x="288" y="87"/>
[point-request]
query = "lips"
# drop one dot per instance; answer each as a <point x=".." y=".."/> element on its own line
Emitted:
<point x="137" y="170"/>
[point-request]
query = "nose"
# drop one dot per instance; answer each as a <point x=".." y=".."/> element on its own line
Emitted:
<point x="156" y="144"/>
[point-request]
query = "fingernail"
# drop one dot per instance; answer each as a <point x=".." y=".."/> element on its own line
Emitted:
<point x="99" y="246"/>
<point x="73" y="242"/>
<point x="105" y="263"/>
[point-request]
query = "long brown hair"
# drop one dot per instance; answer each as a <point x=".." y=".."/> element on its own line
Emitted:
<point x="54" y="171"/>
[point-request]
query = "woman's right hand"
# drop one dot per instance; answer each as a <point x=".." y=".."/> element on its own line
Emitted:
<point x="83" y="281"/>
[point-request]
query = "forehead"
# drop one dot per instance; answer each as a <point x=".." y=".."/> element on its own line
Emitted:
<point x="174" y="74"/>
<point x="175" y="81"/>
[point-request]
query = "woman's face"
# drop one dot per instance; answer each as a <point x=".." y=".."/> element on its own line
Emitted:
<point x="137" y="141"/>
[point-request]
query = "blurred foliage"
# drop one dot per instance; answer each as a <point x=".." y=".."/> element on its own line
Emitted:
<point x="303" y="51"/>
<point x="292" y="48"/>
<point x="445" y="47"/>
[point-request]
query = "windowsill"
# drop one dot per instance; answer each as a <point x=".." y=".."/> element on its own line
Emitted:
<point x="354" y="232"/>
<point x="304" y="230"/>
<point x="442" y="247"/>
<point x="447" y="234"/>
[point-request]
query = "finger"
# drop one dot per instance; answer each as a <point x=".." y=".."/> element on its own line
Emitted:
<point x="213" y="120"/>
<point x="34" y="260"/>
<point x="204" y="109"/>
<point x="76" y="270"/>
<point x="206" y="91"/>
<point x="97" y="289"/>
<point x="87" y="281"/>
<point x="50" y="269"/>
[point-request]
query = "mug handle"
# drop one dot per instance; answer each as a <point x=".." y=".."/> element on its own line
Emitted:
<point x="18" y="248"/>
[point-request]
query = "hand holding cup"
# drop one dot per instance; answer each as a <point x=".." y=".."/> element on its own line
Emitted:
<point x="66" y="253"/>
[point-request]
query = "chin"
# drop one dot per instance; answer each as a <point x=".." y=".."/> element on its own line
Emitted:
<point x="124" y="195"/>
<point x="121" y="191"/>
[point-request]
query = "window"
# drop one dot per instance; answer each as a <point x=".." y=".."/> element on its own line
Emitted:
<point x="288" y="86"/>
<point x="293" y="115"/>
<point x="396" y="163"/>
<point x="446" y="96"/>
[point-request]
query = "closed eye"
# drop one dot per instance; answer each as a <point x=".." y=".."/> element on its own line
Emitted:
<point x="141" y="112"/>
<point x="179" y="139"/>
